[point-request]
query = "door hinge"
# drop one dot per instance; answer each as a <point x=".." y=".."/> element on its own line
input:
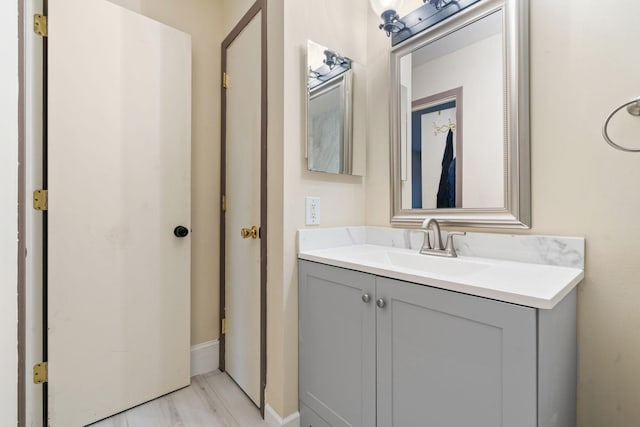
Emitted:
<point x="40" y="373"/>
<point x="225" y="80"/>
<point x="224" y="326"/>
<point x="224" y="203"/>
<point x="41" y="200"/>
<point x="40" y="25"/>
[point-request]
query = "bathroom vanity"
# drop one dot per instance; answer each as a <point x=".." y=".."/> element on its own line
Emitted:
<point x="389" y="337"/>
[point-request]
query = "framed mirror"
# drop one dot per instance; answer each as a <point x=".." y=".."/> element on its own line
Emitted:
<point x="329" y="111"/>
<point x="460" y="120"/>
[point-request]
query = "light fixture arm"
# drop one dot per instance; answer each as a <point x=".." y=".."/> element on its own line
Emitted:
<point x="391" y="22"/>
<point x="438" y="4"/>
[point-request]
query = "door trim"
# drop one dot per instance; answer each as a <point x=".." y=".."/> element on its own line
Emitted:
<point x="258" y="6"/>
<point x="21" y="285"/>
<point x="45" y="215"/>
<point x="32" y="404"/>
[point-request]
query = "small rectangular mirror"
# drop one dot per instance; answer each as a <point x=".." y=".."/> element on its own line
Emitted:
<point x="329" y="111"/>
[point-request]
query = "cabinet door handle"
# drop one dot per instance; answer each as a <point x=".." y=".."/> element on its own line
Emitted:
<point x="380" y="303"/>
<point x="366" y="298"/>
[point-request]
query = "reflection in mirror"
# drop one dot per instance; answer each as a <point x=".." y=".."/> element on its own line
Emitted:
<point x="435" y="162"/>
<point x="471" y="168"/>
<point x="468" y="60"/>
<point x="329" y="111"/>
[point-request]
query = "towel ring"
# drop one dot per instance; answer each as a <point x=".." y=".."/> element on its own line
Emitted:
<point x="633" y="108"/>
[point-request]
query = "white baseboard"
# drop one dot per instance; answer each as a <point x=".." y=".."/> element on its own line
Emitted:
<point x="272" y="418"/>
<point x="205" y="357"/>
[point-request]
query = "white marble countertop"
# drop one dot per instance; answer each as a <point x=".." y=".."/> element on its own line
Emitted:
<point x="525" y="283"/>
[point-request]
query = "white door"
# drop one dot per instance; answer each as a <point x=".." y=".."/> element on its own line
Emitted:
<point x="242" y="255"/>
<point x="119" y="184"/>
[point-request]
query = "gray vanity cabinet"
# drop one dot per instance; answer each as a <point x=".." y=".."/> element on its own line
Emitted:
<point x="411" y="356"/>
<point x="337" y="345"/>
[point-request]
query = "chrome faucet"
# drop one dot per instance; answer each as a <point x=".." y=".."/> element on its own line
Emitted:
<point x="436" y="248"/>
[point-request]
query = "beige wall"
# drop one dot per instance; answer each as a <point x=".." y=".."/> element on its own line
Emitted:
<point x="342" y="197"/>
<point x="195" y="17"/>
<point x="274" y="394"/>
<point x="232" y="12"/>
<point x="584" y="63"/>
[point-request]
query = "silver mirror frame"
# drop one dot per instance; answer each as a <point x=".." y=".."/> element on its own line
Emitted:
<point x="517" y="198"/>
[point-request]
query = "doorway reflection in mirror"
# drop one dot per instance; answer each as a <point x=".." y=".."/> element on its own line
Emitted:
<point x="435" y="75"/>
<point x="432" y="176"/>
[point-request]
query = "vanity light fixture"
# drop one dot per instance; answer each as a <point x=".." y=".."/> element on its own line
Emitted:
<point x="333" y="64"/>
<point x="313" y="74"/>
<point x="428" y="14"/>
<point x="331" y="59"/>
<point x="386" y="9"/>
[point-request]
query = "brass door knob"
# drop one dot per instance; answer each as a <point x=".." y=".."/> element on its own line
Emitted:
<point x="249" y="232"/>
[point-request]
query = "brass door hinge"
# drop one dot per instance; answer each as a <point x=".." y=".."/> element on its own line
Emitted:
<point x="224" y="326"/>
<point x="40" y="373"/>
<point x="224" y="203"/>
<point x="40" y="25"/>
<point x="41" y="200"/>
<point x="225" y="80"/>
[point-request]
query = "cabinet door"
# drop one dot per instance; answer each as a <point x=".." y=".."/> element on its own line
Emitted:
<point x="308" y="418"/>
<point x="337" y="344"/>
<point x="454" y="360"/>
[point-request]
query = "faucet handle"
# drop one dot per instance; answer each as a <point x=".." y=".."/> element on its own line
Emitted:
<point x="451" y="251"/>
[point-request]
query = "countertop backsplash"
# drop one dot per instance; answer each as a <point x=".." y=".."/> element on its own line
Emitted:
<point x="534" y="249"/>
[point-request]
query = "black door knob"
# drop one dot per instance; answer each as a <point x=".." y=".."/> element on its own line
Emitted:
<point x="181" y="231"/>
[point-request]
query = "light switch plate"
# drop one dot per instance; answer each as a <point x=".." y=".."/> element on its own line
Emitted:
<point x="313" y="211"/>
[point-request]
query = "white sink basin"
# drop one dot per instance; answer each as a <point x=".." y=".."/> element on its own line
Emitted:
<point x="452" y="267"/>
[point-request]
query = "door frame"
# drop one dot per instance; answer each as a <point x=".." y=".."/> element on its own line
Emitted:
<point x="257" y="7"/>
<point x="32" y="224"/>
<point x="21" y="282"/>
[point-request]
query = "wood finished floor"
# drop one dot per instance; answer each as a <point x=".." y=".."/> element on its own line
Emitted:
<point x="212" y="400"/>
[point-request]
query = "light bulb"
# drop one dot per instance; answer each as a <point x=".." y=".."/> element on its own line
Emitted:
<point x="380" y="6"/>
